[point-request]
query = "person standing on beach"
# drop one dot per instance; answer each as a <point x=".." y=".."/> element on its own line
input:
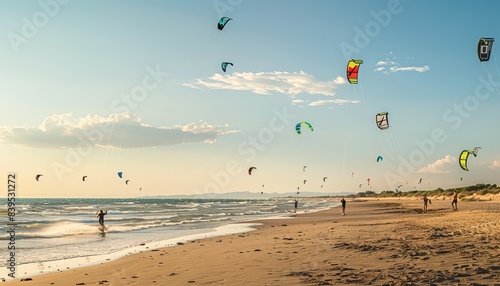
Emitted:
<point x="425" y="202"/>
<point x="454" y="202"/>
<point x="296" y="203"/>
<point x="100" y="216"/>
<point x="343" y="205"/>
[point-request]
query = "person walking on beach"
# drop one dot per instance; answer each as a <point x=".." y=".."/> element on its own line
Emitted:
<point x="454" y="202"/>
<point x="425" y="202"/>
<point x="100" y="216"/>
<point x="343" y="205"/>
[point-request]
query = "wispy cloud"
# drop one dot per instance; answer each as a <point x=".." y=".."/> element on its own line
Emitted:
<point x="331" y="101"/>
<point x="389" y="66"/>
<point x="118" y="130"/>
<point x="385" y="63"/>
<point x="438" y="167"/>
<point x="298" y="102"/>
<point x="495" y="164"/>
<point x="417" y="69"/>
<point x="289" y="83"/>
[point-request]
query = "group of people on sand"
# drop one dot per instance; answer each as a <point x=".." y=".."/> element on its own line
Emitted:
<point x="101" y="213"/>
<point x="424" y="198"/>
<point x="454" y="203"/>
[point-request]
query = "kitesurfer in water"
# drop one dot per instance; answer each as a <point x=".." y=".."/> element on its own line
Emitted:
<point x="100" y="216"/>
<point x="295" y="206"/>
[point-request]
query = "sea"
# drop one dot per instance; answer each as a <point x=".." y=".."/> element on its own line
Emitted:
<point x="51" y="230"/>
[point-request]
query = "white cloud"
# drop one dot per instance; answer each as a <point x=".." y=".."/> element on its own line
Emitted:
<point x="119" y="130"/>
<point x="439" y="166"/>
<point x="495" y="164"/>
<point x="332" y="101"/>
<point x="417" y="69"/>
<point x="289" y="83"/>
<point x="390" y="66"/>
<point x="385" y="63"/>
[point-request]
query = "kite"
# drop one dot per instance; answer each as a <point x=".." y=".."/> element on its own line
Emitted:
<point x="297" y="127"/>
<point x="250" y="170"/>
<point x="382" y="120"/>
<point x="224" y="65"/>
<point x="222" y="22"/>
<point x="400" y="186"/>
<point x="305" y="182"/>
<point x="352" y="174"/>
<point x="304" y="168"/>
<point x="38" y="176"/>
<point x="475" y="150"/>
<point x="463" y="159"/>
<point x="465" y="155"/>
<point x="352" y="70"/>
<point x="484" y="47"/>
<point x="368" y="181"/>
<point x="360" y="185"/>
<point x="120" y="174"/>
<point x="83" y="178"/>
<point x="126" y="182"/>
<point x="420" y="181"/>
<point x="324" y="179"/>
<point x="379" y="158"/>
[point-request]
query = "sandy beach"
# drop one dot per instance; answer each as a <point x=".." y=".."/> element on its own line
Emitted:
<point x="378" y="242"/>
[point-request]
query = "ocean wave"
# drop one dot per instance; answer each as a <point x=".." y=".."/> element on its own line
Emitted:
<point x="70" y="228"/>
<point x="80" y="207"/>
<point x="60" y="229"/>
<point x="216" y="214"/>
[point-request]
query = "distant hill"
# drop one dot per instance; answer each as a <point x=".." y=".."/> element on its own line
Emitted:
<point x="246" y="195"/>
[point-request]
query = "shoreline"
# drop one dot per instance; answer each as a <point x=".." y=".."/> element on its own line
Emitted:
<point x="34" y="269"/>
<point x="385" y="241"/>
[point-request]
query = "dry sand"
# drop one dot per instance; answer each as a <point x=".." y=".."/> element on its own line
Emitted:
<point x="378" y="242"/>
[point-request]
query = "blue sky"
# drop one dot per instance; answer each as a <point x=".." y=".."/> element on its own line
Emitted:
<point x="91" y="88"/>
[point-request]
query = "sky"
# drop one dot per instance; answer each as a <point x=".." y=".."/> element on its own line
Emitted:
<point x="93" y="88"/>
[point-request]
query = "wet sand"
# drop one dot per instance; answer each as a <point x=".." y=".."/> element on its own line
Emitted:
<point x="378" y="242"/>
